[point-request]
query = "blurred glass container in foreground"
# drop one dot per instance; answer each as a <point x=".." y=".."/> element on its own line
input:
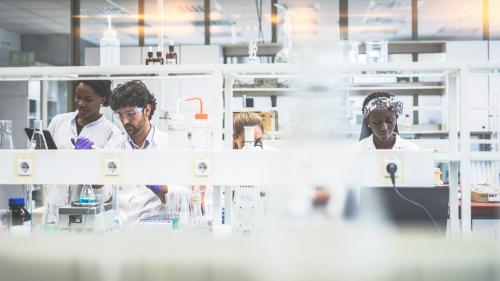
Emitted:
<point x="5" y="220"/>
<point x="349" y="51"/>
<point x="6" y="134"/>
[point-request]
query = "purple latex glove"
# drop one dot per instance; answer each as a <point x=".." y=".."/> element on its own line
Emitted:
<point x="82" y="143"/>
<point x="155" y="188"/>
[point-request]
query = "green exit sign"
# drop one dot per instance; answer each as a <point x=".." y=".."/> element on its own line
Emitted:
<point x="21" y="58"/>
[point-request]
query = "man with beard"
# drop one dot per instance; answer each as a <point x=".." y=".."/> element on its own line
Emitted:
<point x="134" y="105"/>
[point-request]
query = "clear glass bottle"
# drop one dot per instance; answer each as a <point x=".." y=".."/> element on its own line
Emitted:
<point x="51" y="219"/>
<point x="87" y="195"/>
<point x="6" y="134"/>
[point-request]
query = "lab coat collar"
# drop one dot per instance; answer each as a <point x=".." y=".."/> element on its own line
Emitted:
<point x="368" y="144"/>
<point x="150" y="140"/>
<point x="73" y="120"/>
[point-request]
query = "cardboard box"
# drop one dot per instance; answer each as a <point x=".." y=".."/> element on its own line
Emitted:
<point x="267" y="119"/>
<point x="485" y="194"/>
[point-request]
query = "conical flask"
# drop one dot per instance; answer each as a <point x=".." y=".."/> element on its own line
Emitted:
<point x="87" y="195"/>
<point x="50" y="222"/>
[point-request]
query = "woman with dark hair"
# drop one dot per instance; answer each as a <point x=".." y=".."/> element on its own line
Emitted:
<point x="85" y="128"/>
<point x="379" y="129"/>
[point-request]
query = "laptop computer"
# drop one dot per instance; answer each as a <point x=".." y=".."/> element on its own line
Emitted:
<point x="402" y="213"/>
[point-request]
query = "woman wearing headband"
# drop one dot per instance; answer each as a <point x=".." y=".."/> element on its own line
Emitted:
<point x="380" y="129"/>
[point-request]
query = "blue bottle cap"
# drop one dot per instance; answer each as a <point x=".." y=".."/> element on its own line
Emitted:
<point x="17" y="201"/>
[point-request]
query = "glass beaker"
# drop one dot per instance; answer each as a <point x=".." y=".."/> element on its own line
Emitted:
<point x="5" y="220"/>
<point x="6" y="134"/>
<point x="377" y="51"/>
<point x="87" y="195"/>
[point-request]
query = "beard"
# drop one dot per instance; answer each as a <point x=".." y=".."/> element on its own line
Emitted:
<point x="131" y="130"/>
<point x="134" y="130"/>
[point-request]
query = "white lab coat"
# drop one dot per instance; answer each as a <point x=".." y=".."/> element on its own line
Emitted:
<point x="102" y="132"/>
<point x="63" y="128"/>
<point x="138" y="201"/>
<point x="400" y="144"/>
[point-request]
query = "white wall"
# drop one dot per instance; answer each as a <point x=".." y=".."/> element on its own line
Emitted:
<point x="9" y="41"/>
<point x="463" y="51"/>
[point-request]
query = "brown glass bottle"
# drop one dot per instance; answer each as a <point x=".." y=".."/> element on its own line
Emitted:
<point x="159" y="57"/>
<point x="149" y="59"/>
<point x="19" y="213"/>
<point x="171" y="57"/>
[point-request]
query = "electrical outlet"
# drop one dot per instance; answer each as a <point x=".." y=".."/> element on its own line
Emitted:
<point x="24" y="167"/>
<point x="111" y="167"/>
<point x="395" y="161"/>
<point x="202" y="167"/>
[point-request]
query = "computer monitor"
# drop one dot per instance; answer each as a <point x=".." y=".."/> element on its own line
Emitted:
<point x="400" y="212"/>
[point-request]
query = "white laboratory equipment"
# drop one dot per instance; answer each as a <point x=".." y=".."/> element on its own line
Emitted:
<point x="252" y="53"/>
<point x="109" y="47"/>
<point x="201" y="133"/>
<point x="94" y="218"/>
<point x="177" y="129"/>
<point x="377" y="51"/>
<point x="247" y="206"/>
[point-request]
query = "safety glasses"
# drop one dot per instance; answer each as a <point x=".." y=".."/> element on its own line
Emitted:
<point x="129" y="114"/>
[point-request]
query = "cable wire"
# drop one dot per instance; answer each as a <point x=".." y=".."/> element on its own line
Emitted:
<point x="418" y="205"/>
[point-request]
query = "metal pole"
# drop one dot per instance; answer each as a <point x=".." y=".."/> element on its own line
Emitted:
<point x="344" y="19"/>
<point x="414" y="25"/>
<point x="465" y="164"/>
<point x="75" y="47"/>
<point x="274" y="22"/>
<point x="486" y="20"/>
<point x="207" y="22"/>
<point x="141" y="23"/>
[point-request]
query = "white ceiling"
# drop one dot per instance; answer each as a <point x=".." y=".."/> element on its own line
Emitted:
<point x="369" y="19"/>
<point x="35" y="16"/>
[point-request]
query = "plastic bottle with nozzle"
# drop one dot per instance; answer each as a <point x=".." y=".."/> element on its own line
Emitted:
<point x="201" y="131"/>
<point x="110" y="47"/>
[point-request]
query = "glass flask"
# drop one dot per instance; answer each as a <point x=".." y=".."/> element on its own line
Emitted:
<point x="50" y="222"/>
<point x="38" y="139"/>
<point x="287" y="54"/>
<point x="6" y="134"/>
<point x="87" y="195"/>
<point x="196" y="217"/>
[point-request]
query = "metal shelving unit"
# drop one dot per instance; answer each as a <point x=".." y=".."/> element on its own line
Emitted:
<point x="455" y="85"/>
